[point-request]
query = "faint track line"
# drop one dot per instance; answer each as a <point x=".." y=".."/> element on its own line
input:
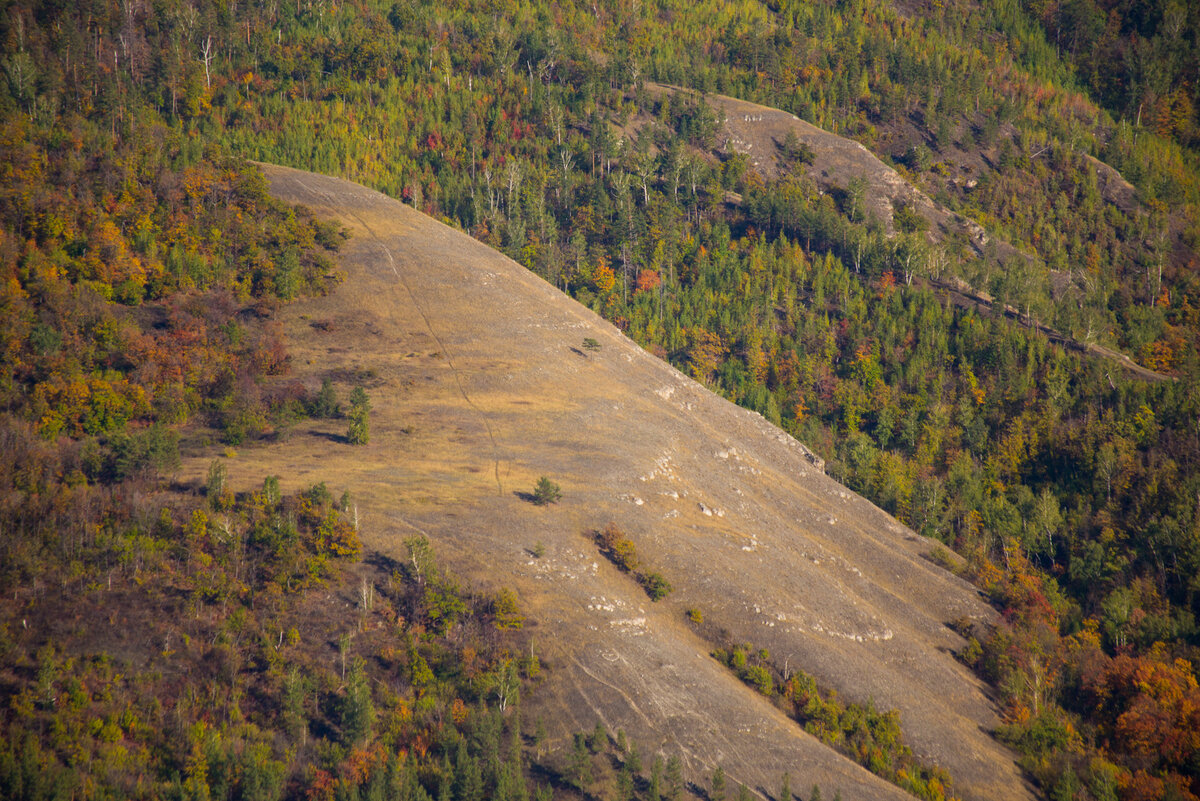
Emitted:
<point x="378" y="241"/>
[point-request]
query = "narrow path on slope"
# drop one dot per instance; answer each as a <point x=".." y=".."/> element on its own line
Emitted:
<point x="600" y="429"/>
<point x="378" y="242"/>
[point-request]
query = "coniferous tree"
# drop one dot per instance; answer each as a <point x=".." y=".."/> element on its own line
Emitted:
<point x="634" y="760"/>
<point x="656" y="780"/>
<point x="718" y="785"/>
<point x="359" y="432"/>
<point x="674" y="778"/>
<point x="599" y="738"/>
<point x="325" y="404"/>
<point x="546" y="492"/>
<point x="358" y="713"/>
<point x="581" y="764"/>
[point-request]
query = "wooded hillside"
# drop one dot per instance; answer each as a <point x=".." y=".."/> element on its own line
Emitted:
<point x="142" y="261"/>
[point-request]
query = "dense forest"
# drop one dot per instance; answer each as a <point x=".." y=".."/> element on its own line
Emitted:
<point x="143" y="261"/>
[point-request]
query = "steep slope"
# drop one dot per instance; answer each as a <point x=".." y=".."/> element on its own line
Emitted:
<point x="481" y="383"/>
<point x="758" y="132"/>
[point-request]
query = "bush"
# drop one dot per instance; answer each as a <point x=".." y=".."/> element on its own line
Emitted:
<point x="760" y="678"/>
<point x="617" y="547"/>
<point x="656" y="586"/>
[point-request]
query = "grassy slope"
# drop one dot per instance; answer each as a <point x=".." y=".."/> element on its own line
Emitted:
<point x="480" y="384"/>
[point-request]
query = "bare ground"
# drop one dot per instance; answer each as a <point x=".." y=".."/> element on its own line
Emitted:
<point x="480" y="385"/>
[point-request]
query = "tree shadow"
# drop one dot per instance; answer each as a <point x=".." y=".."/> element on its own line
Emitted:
<point x="186" y="487"/>
<point x="341" y="439"/>
<point x="382" y="562"/>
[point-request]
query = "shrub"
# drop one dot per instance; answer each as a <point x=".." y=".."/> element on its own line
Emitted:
<point x="617" y="547"/>
<point x="506" y="612"/>
<point x="760" y="678"/>
<point x="656" y="586"/>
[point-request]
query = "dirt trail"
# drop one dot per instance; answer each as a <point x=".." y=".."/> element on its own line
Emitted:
<point x="965" y="297"/>
<point x="479" y="380"/>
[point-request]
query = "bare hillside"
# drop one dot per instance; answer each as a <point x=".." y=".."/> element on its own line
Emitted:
<point x="481" y="383"/>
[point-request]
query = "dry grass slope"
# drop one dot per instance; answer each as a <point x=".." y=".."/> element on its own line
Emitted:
<point x="481" y="384"/>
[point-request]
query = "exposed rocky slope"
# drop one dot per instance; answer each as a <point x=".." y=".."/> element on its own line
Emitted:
<point x="481" y="384"/>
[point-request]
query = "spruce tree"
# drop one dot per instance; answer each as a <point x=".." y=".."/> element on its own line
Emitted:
<point x="718" y="785"/>
<point x="359" y="432"/>
<point x="656" y="771"/>
<point x="675" y="778"/>
<point x="325" y="405"/>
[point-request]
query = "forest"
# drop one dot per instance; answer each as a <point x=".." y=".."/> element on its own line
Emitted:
<point x="143" y="262"/>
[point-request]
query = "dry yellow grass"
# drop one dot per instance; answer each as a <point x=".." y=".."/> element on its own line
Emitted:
<point x="480" y="385"/>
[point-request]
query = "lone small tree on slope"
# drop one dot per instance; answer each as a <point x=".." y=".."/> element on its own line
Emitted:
<point x="546" y="492"/>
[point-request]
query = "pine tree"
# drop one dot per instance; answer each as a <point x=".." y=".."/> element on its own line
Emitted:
<point x="294" y="692"/>
<point x="446" y="781"/>
<point x="634" y="760"/>
<point x="358" y="713"/>
<point x="359" y="432"/>
<point x="581" y="764"/>
<point x="675" y="778"/>
<point x="656" y="771"/>
<point x="325" y="405"/>
<point x="718" y="785"/>
<point x="546" y="492"/>
<point x="599" y="739"/>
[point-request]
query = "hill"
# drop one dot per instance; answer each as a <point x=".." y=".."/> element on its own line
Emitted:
<point x="481" y="382"/>
<point x="840" y="165"/>
<point x="144" y="265"/>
